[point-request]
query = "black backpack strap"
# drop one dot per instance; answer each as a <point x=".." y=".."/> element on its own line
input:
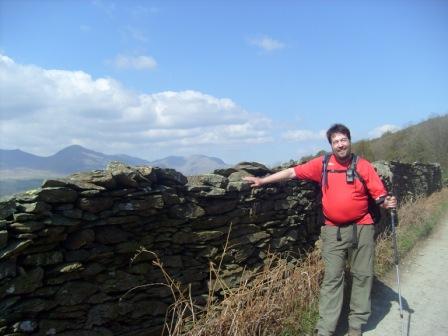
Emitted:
<point x="355" y="173"/>
<point x="325" y="159"/>
<point x="358" y="175"/>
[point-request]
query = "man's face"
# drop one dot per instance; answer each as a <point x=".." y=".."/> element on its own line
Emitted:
<point x="341" y="146"/>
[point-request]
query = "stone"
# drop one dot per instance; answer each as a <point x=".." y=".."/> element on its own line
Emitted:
<point x="238" y="186"/>
<point x="14" y="248"/>
<point x="188" y="210"/>
<point x="27" y="227"/>
<point x="282" y="205"/>
<point x="71" y="183"/>
<point x="3" y="238"/>
<point x="77" y="255"/>
<point x="148" y="173"/>
<point x="75" y="292"/>
<point x="99" y="177"/>
<point x="213" y="180"/>
<point x="53" y="327"/>
<point x="253" y="168"/>
<point x="7" y="269"/>
<point x="43" y="259"/>
<point x="27" y="326"/>
<point x="101" y="314"/>
<point x="69" y="267"/>
<point x="25" y="217"/>
<point x="173" y="262"/>
<point x="170" y="176"/>
<point x="257" y="236"/>
<point x="73" y="213"/>
<point x="120" y="281"/>
<point x="124" y="175"/>
<point x="58" y="195"/>
<point x="216" y="207"/>
<point x="127" y="247"/>
<point x="144" y="308"/>
<point x="51" y="231"/>
<point x="150" y="202"/>
<point x="36" y="207"/>
<point x="171" y="199"/>
<point x="7" y="208"/>
<point x="32" y="306"/>
<point x="110" y="235"/>
<point x="58" y="220"/>
<point x="95" y="205"/>
<point x="121" y="220"/>
<point x="27" y="282"/>
<point x="78" y="239"/>
<point x="226" y="172"/>
<point x="238" y="176"/>
<point x="204" y="236"/>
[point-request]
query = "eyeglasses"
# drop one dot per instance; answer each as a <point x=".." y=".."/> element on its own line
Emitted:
<point x="342" y="141"/>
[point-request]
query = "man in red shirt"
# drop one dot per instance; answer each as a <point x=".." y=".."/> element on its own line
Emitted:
<point x="348" y="233"/>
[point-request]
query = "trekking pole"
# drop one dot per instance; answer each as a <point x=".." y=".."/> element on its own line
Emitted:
<point x="393" y="219"/>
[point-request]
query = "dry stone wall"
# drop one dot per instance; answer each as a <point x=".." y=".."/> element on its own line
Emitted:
<point x="76" y="255"/>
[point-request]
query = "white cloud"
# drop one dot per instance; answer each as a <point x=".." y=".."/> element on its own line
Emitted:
<point x="378" y="131"/>
<point x="267" y="43"/>
<point x="43" y="110"/>
<point x="303" y="135"/>
<point x="135" y="62"/>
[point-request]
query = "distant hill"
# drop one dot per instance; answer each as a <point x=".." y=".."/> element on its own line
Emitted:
<point x="68" y="160"/>
<point x="424" y="142"/>
<point x="191" y="165"/>
<point x="22" y="171"/>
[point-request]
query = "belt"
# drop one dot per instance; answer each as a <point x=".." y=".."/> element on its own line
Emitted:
<point x="355" y="234"/>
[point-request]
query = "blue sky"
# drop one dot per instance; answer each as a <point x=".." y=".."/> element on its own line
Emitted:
<point x="240" y="80"/>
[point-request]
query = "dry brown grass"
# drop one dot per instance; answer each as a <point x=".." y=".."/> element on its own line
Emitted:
<point x="262" y="304"/>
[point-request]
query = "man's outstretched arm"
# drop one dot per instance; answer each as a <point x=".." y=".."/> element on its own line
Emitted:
<point x="283" y="175"/>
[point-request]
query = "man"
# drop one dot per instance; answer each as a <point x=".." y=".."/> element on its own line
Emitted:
<point x="348" y="233"/>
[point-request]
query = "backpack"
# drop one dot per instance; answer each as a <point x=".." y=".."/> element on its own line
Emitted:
<point x="351" y="174"/>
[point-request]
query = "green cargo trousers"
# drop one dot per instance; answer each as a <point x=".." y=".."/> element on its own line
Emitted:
<point x="335" y="253"/>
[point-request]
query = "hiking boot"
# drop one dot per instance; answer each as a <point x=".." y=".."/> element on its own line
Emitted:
<point x="354" y="332"/>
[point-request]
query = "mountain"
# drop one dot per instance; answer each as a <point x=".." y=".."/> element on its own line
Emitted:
<point x="191" y="165"/>
<point x="22" y="171"/>
<point x="68" y="160"/>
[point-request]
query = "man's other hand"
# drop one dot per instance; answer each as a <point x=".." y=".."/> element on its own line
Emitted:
<point x="254" y="181"/>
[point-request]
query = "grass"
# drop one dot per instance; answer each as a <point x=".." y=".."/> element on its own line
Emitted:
<point x="282" y="298"/>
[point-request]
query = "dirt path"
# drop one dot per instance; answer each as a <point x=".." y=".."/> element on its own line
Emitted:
<point x="424" y="288"/>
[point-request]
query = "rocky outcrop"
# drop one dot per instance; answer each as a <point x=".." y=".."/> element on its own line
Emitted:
<point x="76" y="255"/>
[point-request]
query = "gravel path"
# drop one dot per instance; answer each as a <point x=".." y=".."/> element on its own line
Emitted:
<point x="424" y="288"/>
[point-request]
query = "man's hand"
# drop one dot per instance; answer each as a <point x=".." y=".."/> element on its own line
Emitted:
<point x="254" y="181"/>
<point x="390" y="202"/>
<point x="282" y="175"/>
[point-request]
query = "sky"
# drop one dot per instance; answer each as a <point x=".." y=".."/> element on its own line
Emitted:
<point x="239" y="80"/>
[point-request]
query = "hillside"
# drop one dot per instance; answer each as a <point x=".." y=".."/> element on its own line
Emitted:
<point x="423" y="142"/>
